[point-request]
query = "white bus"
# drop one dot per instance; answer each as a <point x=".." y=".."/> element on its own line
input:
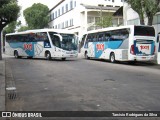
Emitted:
<point x="158" y="48"/>
<point x="125" y="43"/>
<point x="48" y="43"/>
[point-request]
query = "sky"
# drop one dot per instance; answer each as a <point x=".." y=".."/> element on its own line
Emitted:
<point x="28" y="3"/>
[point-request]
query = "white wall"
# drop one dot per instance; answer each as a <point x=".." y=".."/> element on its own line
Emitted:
<point x="78" y="13"/>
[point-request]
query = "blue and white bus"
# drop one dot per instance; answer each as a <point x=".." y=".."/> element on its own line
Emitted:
<point x="125" y="43"/>
<point x="158" y="48"/>
<point x="48" y="43"/>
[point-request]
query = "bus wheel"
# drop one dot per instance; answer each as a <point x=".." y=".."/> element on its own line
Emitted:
<point x="48" y="56"/>
<point x="30" y="57"/>
<point x="86" y="55"/>
<point x="16" y="55"/>
<point x="112" y="58"/>
<point x="63" y="59"/>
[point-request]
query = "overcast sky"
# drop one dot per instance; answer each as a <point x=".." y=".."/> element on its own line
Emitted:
<point x="28" y="3"/>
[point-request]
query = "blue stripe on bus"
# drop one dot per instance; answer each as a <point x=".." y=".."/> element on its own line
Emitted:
<point x="21" y="45"/>
<point x="110" y="44"/>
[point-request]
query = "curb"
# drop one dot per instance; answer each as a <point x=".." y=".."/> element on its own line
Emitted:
<point x="2" y="85"/>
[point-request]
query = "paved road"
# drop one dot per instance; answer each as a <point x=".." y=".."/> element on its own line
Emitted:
<point x="81" y="85"/>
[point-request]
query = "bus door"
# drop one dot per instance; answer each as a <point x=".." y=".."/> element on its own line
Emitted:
<point x="57" y="45"/>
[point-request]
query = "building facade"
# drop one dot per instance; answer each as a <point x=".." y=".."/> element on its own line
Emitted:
<point x="80" y="16"/>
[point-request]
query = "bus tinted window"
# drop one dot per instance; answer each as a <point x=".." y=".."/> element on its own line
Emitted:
<point x="83" y="40"/>
<point x="144" y="31"/>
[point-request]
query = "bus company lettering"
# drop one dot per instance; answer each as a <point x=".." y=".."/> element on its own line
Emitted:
<point x="27" y="46"/>
<point x="144" y="47"/>
<point x="100" y="47"/>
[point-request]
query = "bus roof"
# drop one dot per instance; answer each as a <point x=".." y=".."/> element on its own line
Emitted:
<point x="114" y="28"/>
<point x="42" y="30"/>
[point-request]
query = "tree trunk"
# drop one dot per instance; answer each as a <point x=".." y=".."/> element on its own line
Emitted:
<point x="142" y="22"/>
<point x="150" y="20"/>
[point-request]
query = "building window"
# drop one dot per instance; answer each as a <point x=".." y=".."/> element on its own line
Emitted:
<point x="90" y="19"/>
<point x="53" y="16"/>
<point x="63" y="25"/>
<point x="62" y="10"/>
<point x="71" y="22"/>
<point x="59" y="26"/>
<point x="59" y="12"/>
<point x="56" y="14"/>
<point x="112" y="0"/>
<point x="66" y="24"/>
<point x="71" y="5"/>
<point x="74" y="3"/>
<point x="66" y="7"/>
<point x="133" y="22"/>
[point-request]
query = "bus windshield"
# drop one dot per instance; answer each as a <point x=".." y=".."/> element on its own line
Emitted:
<point x="69" y="42"/>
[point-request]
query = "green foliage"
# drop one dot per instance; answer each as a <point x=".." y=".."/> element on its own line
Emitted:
<point x="151" y="7"/>
<point x="9" y="10"/>
<point x="36" y="16"/>
<point x="145" y="7"/>
<point x="23" y="28"/>
<point x="10" y="28"/>
<point x="105" y="21"/>
<point x="137" y="5"/>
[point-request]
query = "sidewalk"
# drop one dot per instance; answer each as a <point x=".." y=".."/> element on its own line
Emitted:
<point x="2" y="85"/>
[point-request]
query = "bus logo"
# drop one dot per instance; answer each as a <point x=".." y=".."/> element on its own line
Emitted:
<point x="27" y="46"/>
<point x="100" y="47"/>
<point x="144" y="47"/>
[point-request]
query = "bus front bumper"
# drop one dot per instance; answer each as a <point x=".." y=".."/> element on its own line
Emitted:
<point x="69" y="55"/>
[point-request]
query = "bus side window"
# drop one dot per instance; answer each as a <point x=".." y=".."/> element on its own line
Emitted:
<point x="158" y="38"/>
<point x="88" y="39"/>
<point x="94" y="37"/>
<point x="56" y="41"/>
<point x="107" y="36"/>
<point x="101" y="37"/>
<point x="115" y="35"/>
<point x="124" y="34"/>
<point x="31" y="37"/>
<point x="82" y="41"/>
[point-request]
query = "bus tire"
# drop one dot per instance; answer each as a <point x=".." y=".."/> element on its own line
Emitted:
<point x="112" y="58"/>
<point x="16" y="55"/>
<point x="48" y="55"/>
<point x="30" y="57"/>
<point x="63" y="59"/>
<point x="86" y="55"/>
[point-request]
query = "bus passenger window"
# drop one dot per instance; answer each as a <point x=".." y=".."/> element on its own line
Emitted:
<point x="56" y="41"/>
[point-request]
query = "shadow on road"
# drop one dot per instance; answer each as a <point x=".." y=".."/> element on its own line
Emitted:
<point x="137" y="63"/>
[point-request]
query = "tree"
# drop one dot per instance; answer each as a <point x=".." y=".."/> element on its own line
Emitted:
<point x="151" y="7"/>
<point x="36" y="16"/>
<point x="137" y="5"/>
<point x="105" y="21"/>
<point x="9" y="10"/>
<point x="10" y="28"/>
<point x="23" y="28"/>
<point x="145" y="8"/>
